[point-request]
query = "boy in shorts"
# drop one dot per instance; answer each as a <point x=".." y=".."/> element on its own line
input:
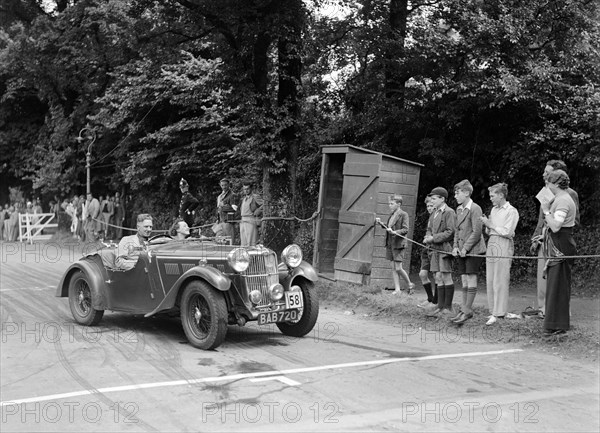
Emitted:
<point x="468" y="239"/>
<point x="425" y="264"/>
<point x="439" y="236"/>
<point x="396" y="245"/>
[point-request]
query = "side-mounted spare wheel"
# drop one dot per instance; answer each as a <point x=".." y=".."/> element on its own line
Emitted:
<point x="309" y="312"/>
<point x="80" y="300"/>
<point x="203" y="315"/>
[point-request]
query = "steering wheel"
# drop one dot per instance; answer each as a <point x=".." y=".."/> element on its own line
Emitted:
<point x="159" y="236"/>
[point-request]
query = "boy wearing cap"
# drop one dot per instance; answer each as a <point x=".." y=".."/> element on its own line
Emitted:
<point x="468" y="239"/>
<point x="188" y="203"/>
<point x="439" y="236"/>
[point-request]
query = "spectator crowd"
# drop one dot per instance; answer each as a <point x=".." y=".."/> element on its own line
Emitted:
<point x="87" y="218"/>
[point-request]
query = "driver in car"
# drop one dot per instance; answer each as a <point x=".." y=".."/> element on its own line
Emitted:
<point x="130" y="247"/>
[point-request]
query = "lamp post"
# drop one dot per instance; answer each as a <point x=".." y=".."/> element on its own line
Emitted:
<point x="90" y="134"/>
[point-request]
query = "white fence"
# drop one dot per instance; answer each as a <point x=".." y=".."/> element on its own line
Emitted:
<point x="31" y="226"/>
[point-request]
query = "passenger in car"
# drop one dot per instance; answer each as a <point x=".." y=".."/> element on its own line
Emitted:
<point x="179" y="230"/>
<point x="130" y="247"/>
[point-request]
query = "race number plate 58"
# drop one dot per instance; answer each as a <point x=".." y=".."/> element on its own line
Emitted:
<point x="293" y="300"/>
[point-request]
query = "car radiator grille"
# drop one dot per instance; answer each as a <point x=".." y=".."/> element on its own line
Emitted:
<point x="261" y="274"/>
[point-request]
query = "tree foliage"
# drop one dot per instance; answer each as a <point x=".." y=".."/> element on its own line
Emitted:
<point x="485" y="90"/>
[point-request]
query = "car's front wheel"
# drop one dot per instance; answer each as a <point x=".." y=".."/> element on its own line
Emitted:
<point x="309" y="312"/>
<point x="203" y="315"/>
<point x="80" y="300"/>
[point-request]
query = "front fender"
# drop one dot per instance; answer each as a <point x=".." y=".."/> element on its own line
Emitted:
<point x="96" y="280"/>
<point x="286" y="277"/>
<point x="209" y="274"/>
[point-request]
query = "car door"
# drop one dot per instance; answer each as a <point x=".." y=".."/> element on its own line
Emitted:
<point x="137" y="290"/>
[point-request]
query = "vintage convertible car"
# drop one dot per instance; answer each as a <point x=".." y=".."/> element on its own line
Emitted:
<point x="210" y="285"/>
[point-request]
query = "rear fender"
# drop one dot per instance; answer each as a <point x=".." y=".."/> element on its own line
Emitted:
<point x="95" y="278"/>
<point x="287" y="276"/>
<point x="209" y="274"/>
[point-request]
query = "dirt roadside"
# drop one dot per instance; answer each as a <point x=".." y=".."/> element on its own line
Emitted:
<point x="582" y="342"/>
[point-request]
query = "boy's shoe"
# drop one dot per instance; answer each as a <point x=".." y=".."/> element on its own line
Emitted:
<point x="424" y="304"/>
<point x="435" y="313"/>
<point x="458" y="316"/>
<point x="464" y="318"/>
<point x="491" y="321"/>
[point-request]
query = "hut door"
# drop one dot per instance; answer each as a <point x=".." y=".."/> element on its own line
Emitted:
<point x="356" y="221"/>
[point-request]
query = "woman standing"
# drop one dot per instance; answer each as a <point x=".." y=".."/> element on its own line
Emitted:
<point x="559" y="217"/>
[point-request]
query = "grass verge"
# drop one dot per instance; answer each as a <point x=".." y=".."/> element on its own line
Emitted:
<point x="581" y="342"/>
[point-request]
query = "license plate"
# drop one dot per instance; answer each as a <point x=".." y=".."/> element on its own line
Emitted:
<point x="277" y="316"/>
<point x="293" y="300"/>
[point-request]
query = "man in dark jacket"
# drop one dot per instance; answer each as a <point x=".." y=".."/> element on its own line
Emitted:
<point x="188" y="204"/>
<point x="226" y="208"/>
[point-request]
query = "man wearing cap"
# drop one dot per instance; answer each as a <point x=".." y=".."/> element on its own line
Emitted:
<point x="188" y="203"/>
<point x="440" y="237"/>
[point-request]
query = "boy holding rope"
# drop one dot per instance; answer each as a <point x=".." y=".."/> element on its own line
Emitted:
<point x="396" y="245"/>
<point x="468" y="239"/>
<point x="425" y="265"/>
<point x="439" y="236"/>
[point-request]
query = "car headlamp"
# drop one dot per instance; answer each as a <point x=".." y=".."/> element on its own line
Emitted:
<point x="276" y="292"/>
<point x="239" y="259"/>
<point x="255" y="297"/>
<point x="292" y="256"/>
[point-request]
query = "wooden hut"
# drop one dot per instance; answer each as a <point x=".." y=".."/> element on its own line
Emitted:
<point x="355" y="187"/>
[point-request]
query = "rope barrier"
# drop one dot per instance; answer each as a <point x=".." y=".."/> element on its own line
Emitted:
<point x="485" y="255"/>
<point x="316" y="214"/>
<point x="292" y="218"/>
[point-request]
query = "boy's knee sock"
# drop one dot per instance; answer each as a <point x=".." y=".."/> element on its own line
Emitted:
<point x="464" y="296"/>
<point x="471" y="293"/>
<point x="449" y="296"/>
<point x="427" y="287"/>
<point x="441" y="293"/>
<point x="434" y="300"/>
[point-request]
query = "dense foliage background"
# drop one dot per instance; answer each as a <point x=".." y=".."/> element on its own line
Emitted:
<point x="481" y="89"/>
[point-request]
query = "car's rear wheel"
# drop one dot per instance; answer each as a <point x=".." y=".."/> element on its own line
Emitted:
<point x="309" y="312"/>
<point x="80" y="300"/>
<point x="203" y="315"/>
